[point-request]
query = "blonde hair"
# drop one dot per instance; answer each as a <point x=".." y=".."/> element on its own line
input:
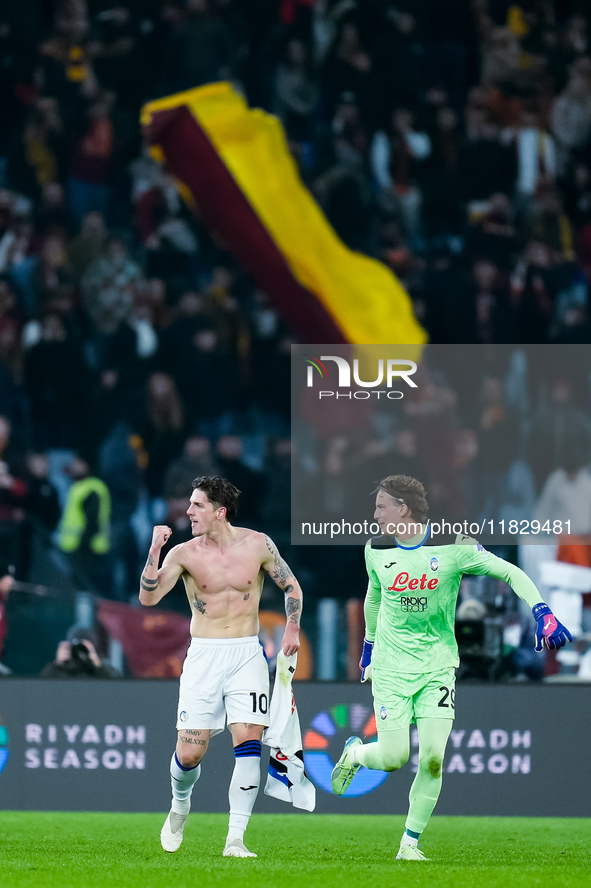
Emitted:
<point x="409" y="491"/>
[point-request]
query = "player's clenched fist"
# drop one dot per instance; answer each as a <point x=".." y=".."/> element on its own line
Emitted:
<point x="160" y="536"/>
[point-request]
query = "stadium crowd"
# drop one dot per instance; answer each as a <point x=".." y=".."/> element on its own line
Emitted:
<point x="450" y="140"/>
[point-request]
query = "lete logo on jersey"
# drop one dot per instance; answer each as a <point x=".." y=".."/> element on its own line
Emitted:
<point x="402" y="583"/>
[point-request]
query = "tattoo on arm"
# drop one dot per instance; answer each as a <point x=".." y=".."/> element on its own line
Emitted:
<point x="199" y="605"/>
<point x="281" y="570"/>
<point x="148" y="585"/>
<point x="292" y="608"/>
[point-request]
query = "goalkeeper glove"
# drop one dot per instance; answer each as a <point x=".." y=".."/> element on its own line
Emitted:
<point x="549" y="629"/>
<point x="365" y="662"/>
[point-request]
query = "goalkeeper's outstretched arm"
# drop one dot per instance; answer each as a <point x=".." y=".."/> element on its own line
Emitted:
<point x="549" y="630"/>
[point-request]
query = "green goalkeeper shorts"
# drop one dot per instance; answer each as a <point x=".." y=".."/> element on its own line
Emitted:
<point x="400" y="698"/>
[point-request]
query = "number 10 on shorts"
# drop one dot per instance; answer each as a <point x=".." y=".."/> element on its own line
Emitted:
<point x="261" y="700"/>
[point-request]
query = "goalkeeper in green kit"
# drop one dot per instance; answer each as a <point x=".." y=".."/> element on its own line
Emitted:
<point x="410" y="651"/>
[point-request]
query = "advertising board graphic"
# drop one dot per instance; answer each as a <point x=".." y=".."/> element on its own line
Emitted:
<point x="106" y="746"/>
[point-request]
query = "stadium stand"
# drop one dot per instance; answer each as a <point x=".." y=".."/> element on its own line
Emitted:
<point x="451" y="141"/>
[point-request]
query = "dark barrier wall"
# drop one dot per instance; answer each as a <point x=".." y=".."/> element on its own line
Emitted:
<point x="106" y="746"/>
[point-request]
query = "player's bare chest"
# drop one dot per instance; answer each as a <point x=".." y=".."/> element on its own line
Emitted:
<point x="218" y="572"/>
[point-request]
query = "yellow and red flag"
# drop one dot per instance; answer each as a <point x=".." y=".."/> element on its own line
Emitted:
<point x="234" y="164"/>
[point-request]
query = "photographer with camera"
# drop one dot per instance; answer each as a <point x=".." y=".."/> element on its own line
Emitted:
<point x="77" y="657"/>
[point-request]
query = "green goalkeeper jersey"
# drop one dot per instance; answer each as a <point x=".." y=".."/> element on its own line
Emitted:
<point x="412" y="592"/>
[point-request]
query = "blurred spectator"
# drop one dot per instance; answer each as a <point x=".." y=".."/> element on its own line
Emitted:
<point x="493" y="235"/>
<point x="344" y="196"/>
<point x="67" y="53"/>
<point x="131" y="349"/>
<point x="560" y="430"/>
<point x="52" y="215"/>
<point x="276" y="497"/>
<point x="441" y="190"/>
<point x="229" y="457"/>
<point x="486" y="314"/>
<point x="536" y="156"/>
<point x="566" y="496"/>
<point x="208" y="381"/>
<point x="295" y="92"/>
<point x="160" y="218"/>
<point x="85" y="528"/>
<point x="6" y="584"/>
<point x="108" y="287"/>
<point x="578" y="197"/>
<point x="575" y="39"/>
<point x="532" y="293"/>
<point x="431" y="414"/>
<point x="378" y="459"/>
<point x="39" y="158"/>
<point x="196" y="459"/>
<point x="348" y="67"/>
<point x="498" y="445"/>
<point x="483" y="150"/>
<point x="120" y="469"/>
<point x="176" y="518"/>
<point x="500" y="58"/>
<point x="162" y="427"/>
<point x="198" y="49"/>
<point x="571" y="119"/>
<point x="57" y="381"/>
<point x="11" y="352"/>
<point x="225" y="311"/>
<point x="77" y="657"/>
<point x="51" y="275"/>
<point x="88" y="245"/>
<point x="547" y="223"/>
<point x="398" y="164"/>
<point x="41" y="505"/>
<point x="350" y="134"/>
<point x="12" y="495"/>
<point x="399" y="53"/>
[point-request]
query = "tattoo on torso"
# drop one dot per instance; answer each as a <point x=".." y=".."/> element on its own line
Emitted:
<point x="199" y="605"/>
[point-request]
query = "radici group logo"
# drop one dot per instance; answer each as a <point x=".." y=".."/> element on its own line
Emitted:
<point x="324" y="740"/>
<point x="3" y="746"/>
<point x="388" y="372"/>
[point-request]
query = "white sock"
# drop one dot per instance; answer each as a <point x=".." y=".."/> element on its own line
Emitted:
<point x="183" y="780"/>
<point x="244" y="787"/>
<point x="409" y="840"/>
<point x="353" y="755"/>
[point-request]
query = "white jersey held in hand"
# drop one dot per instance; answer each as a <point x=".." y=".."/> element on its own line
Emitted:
<point x="286" y="779"/>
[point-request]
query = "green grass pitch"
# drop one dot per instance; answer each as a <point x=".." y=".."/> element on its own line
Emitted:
<point x="48" y="850"/>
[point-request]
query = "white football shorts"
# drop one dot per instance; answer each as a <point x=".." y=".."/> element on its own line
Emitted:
<point x="223" y="678"/>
